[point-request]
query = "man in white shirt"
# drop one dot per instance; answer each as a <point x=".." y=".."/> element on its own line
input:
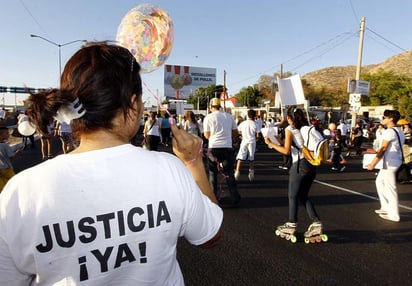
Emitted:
<point x="390" y="151"/>
<point x="219" y="128"/>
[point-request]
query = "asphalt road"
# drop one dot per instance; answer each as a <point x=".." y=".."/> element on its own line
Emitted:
<point x="363" y="249"/>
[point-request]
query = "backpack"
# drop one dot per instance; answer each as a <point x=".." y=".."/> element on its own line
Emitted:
<point x="320" y="154"/>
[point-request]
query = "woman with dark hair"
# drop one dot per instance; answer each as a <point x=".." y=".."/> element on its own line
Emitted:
<point x="99" y="215"/>
<point x="152" y="131"/>
<point x="357" y="137"/>
<point x="301" y="173"/>
<point x="191" y="124"/>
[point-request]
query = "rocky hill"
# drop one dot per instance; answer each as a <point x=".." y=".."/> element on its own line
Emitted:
<point x="331" y="77"/>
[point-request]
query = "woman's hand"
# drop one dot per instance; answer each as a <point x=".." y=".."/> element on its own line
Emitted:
<point x="186" y="146"/>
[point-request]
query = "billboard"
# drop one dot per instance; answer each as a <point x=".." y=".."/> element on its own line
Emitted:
<point x="182" y="81"/>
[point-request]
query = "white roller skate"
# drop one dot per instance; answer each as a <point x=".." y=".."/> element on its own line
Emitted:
<point x="315" y="233"/>
<point x="287" y="231"/>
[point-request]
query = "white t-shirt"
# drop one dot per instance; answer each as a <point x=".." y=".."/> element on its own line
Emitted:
<point x="192" y="128"/>
<point x="392" y="158"/>
<point x="343" y="129"/>
<point x="300" y="137"/>
<point x="220" y="125"/>
<point x="248" y="130"/>
<point x="105" y="217"/>
<point x="154" y="131"/>
<point x="22" y="117"/>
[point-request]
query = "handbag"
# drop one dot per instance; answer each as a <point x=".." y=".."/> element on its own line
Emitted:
<point x="403" y="174"/>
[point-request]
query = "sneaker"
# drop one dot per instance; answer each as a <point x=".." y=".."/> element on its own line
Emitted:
<point x="251" y="175"/>
<point x="342" y="169"/>
<point x="334" y="169"/>
<point x="385" y="216"/>
<point x="283" y="167"/>
<point x="381" y="211"/>
<point x="237" y="175"/>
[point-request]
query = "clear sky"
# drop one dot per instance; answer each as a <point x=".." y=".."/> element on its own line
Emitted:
<point x="247" y="38"/>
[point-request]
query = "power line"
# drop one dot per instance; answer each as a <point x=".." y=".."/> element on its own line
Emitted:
<point x="327" y="42"/>
<point x="383" y="38"/>
<point x="321" y="45"/>
<point x="384" y="44"/>
<point x="33" y="18"/>
<point x="325" y="51"/>
<point x="354" y="12"/>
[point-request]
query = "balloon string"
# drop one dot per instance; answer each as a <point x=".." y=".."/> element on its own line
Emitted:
<point x="159" y="102"/>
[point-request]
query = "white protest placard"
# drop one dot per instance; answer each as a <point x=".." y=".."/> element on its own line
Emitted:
<point x="271" y="133"/>
<point x="367" y="159"/>
<point x="291" y="90"/>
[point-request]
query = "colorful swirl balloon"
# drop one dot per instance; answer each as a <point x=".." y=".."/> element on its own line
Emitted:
<point x="147" y="31"/>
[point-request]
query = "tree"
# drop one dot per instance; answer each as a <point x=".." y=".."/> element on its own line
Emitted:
<point x="266" y="86"/>
<point x="390" y="88"/>
<point x="203" y="94"/>
<point x="249" y="96"/>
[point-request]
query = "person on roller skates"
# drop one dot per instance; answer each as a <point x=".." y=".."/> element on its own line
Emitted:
<point x="301" y="175"/>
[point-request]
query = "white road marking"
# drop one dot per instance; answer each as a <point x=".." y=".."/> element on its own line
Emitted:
<point x="356" y="193"/>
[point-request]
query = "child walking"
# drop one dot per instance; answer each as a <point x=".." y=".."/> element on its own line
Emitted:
<point x="337" y="158"/>
<point x="248" y="129"/>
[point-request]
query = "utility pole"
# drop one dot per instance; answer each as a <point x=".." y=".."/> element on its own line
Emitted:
<point x="60" y="48"/>
<point x="224" y="90"/>
<point x="359" y="64"/>
<point x="281" y="104"/>
<point x="360" y="49"/>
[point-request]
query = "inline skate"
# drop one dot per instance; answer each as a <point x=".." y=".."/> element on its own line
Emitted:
<point x="287" y="231"/>
<point x="315" y="233"/>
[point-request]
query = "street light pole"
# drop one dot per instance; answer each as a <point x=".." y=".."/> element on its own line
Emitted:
<point x="59" y="47"/>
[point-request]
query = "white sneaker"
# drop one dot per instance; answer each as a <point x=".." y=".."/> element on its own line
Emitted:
<point x="385" y="216"/>
<point x="381" y="211"/>
<point x="237" y="175"/>
<point x="251" y="175"/>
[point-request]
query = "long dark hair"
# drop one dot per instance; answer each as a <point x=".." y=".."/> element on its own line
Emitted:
<point x="297" y="116"/>
<point x="103" y="76"/>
